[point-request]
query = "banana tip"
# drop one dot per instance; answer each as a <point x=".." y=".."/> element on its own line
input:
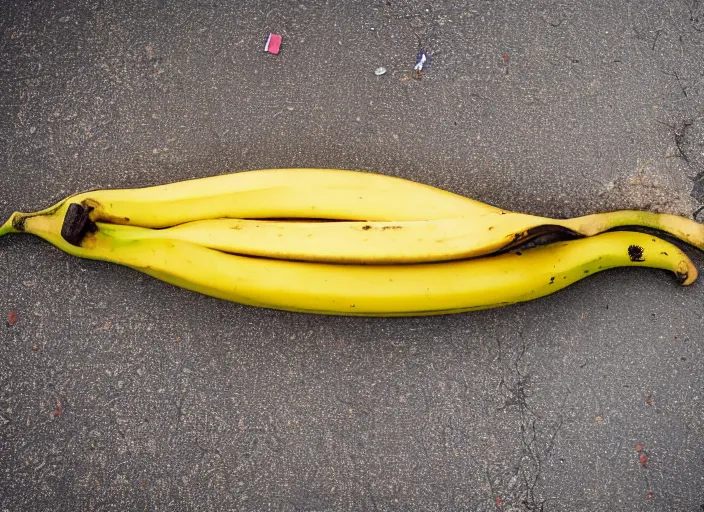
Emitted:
<point x="8" y="227"/>
<point x="687" y="273"/>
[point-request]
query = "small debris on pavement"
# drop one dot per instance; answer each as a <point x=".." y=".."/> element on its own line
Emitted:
<point x="650" y="400"/>
<point x="105" y="326"/>
<point x="380" y="71"/>
<point x="35" y="348"/>
<point x="11" y="318"/>
<point x="59" y="409"/>
<point x="420" y="63"/>
<point x="642" y="456"/>
<point x="273" y="43"/>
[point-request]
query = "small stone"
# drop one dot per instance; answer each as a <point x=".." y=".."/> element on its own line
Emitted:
<point x="380" y="71"/>
<point x="32" y="129"/>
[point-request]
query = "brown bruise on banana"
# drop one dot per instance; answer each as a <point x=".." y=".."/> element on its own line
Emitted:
<point x="367" y="227"/>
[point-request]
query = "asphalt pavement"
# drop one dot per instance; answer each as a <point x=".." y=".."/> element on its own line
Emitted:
<point x="120" y="392"/>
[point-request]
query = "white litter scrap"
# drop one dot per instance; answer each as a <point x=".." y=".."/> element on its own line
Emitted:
<point x="380" y="71"/>
<point x="422" y="59"/>
<point x="420" y="62"/>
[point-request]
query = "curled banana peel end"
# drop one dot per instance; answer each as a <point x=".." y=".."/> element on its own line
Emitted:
<point x="686" y="272"/>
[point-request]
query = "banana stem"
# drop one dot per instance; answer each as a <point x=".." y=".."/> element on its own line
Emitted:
<point x="685" y="229"/>
<point x="8" y="227"/>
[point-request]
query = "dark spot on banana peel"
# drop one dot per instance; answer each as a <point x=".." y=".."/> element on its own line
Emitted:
<point x="552" y="280"/>
<point x="539" y="235"/>
<point x="635" y="253"/>
<point x="18" y="222"/>
<point x="366" y="227"/>
<point x="77" y="223"/>
<point x="391" y="227"/>
<point x="519" y="253"/>
<point x="586" y="271"/>
<point x="664" y="253"/>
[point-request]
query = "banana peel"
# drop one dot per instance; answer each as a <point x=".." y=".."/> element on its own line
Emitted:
<point x="349" y="243"/>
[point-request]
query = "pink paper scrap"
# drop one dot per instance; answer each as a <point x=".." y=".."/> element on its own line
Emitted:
<point x="273" y="44"/>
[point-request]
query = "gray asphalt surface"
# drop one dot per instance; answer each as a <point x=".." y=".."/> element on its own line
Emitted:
<point x="174" y="401"/>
